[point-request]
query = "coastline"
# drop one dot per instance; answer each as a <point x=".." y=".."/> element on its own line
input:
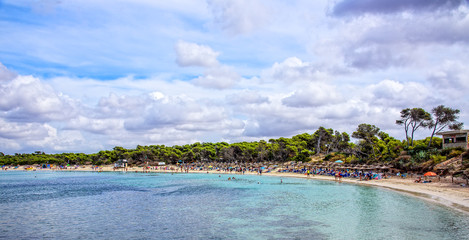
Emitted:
<point x="447" y="194"/>
<point x="444" y="193"/>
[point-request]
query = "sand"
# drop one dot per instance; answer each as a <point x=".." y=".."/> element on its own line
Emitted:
<point x="444" y="192"/>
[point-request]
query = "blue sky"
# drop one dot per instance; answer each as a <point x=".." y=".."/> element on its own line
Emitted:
<point x="83" y="76"/>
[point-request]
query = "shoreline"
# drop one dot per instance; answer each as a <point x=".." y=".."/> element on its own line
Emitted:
<point x="447" y="194"/>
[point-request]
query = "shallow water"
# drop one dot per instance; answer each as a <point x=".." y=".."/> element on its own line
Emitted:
<point x="91" y="205"/>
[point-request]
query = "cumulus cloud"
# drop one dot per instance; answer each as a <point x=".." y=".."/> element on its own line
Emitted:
<point x="121" y="106"/>
<point x="192" y="54"/>
<point x="246" y="97"/>
<point x="376" y="57"/>
<point x="24" y="131"/>
<point x="27" y="99"/>
<point x="389" y="93"/>
<point x="293" y="69"/>
<point x="221" y="77"/>
<point x="95" y="125"/>
<point x="5" y="74"/>
<point x="175" y="112"/>
<point x="375" y="41"/>
<point x="313" y="95"/>
<point x="342" y="112"/>
<point x="270" y="127"/>
<point x="18" y="135"/>
<point x="216" y="75"/>
<point x="451" y="77"/>
<point x="239" y="16"/>
<point x="275" y="120"/>
<point x="359" y="7"/>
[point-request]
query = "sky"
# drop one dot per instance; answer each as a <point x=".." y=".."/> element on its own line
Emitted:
<point x="88" y="75"/>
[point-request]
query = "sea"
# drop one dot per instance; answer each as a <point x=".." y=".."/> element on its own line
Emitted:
<point x="117" y="205"/>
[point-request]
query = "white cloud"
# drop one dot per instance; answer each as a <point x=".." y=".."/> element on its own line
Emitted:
<point x="246" y="97"/>
<point x="313" y="95"/>
<point x="451" y="78"/>
<point x="389" y="93"/>
<point x="240" y="16"/>
<point x="244" y="70"/>
<point x="5" y="74"/>
<point x="192" y="54"/>
<point x="175" y="112"/>
<point x="96" y="125"/>
<point x="27" y="99"/>
<point x="121" y="106"/>
<point x="221" y="77"/>
<point x="294" y="69"/>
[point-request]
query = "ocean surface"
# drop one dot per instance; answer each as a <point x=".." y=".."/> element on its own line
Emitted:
<point x="111" y="205"/>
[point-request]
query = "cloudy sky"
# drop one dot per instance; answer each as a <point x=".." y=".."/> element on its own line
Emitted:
<point x="84" y="76"/>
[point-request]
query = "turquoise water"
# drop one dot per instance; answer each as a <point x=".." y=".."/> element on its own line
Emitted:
<point x="90" y="205"/>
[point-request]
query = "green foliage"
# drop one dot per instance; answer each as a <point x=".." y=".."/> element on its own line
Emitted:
<point x="413" y="119"/>
<point x="465" y="159"/>
<point x="451" y="152"/>
<point x="374" y="146"/>
<point x="455" y="153"/>
<point x="438" y="159"/>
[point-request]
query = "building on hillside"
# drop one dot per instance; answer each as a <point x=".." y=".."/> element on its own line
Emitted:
<point x="457" y="138"/>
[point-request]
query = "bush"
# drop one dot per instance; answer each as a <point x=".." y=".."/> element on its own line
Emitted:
<point x="465" y="159"/>
<point x="438" y="159"/>
<point x="455" y="153"/>
<point x="447" y="151"/>
<point x="352" y="159"/>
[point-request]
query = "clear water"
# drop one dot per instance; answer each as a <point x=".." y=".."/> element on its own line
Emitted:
<point x="89" y="205"/>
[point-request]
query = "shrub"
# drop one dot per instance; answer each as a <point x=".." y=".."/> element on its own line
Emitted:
<point x="447" y="151"/>
<point x="455" y="153"/>
<point x="465" y="159"/>
<point x="438" y="159"/>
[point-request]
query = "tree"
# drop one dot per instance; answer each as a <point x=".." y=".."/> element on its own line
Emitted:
<point x="367" y="133"/>
<point x="413" y="119"/>
<point x="443" y="117"/>
<point x="321" y="136"/>
<point x="405" y="120"/>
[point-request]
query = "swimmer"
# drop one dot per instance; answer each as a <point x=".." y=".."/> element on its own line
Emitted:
<point x="229" y="179"/>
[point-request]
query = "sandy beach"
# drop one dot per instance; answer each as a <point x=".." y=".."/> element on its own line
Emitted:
<point x="444" y="192"/>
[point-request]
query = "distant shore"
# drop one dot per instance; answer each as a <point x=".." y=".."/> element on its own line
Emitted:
<point x="441" y="192"/>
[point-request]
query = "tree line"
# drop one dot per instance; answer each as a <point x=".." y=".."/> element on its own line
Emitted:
<point x="373" y="146"/>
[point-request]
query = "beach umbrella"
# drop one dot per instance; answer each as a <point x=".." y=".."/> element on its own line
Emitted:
<point x="429" y="174"/>
<point x="339" y="161"/>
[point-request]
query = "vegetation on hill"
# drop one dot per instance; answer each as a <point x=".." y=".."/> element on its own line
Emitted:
<point x="373" y="147"/>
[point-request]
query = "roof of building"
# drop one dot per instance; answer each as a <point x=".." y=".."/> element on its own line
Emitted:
<point x="453" y="132"/>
